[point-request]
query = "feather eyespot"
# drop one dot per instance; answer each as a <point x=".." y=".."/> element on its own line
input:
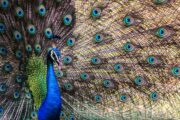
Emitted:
<point x="17" y="36"/>
<point x="19" y="12"/>
<point x="59" y="74"/>
<point x="128" y="47"/>
<point x="67" y="60"/>
<point x="138" y="80"/>
<point x="106" y="83"/>
<point x="71" y="116"/>
<point x="16" y="94"/>
<point x="96" y="12"/>
<point x="153" y="96"/>
<point x="48" y="33"/>
<point x="152" y="60"/>
<point x="97" y="98"/>
<point x="31" y="29"/>
<point x="70" y="42"/>
<point x="160" y="1"/>
<point x="161" y="32"/>
<point x="37" y="48"/>
<point x="3" y="87"/>
<point x="19" y="78"/>
<point x="98" y="38"/>
<point x="175" y="71"/>
<point x="2" y="27"/>
<point x="118" y="67"/>
<point x="95" y="60"/>
<point x="128" y="20"/>
<point x="28" y="95"/>
<point x="41" y="10"/>
<point x="4" y="4"/>
<point x="67" y="19"/>
<point x="3" y="51"/>
<point x="28" y="48"/>
<point x="123" y="98"/>
<point x="34" y="115"/>
<point x="1" y="111"/>
<point x="18" y="54"/>
<point x="68" y="86"/>
<point x="62" y="114"/>
<point x="7" y="67"/>
<point x="84" y="76"/>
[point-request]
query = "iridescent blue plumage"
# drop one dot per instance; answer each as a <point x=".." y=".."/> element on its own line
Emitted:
<point x="51" y="105"/>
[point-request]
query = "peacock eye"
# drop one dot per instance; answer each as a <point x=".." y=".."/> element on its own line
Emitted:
<point x="123" y="98"/>
<point x="128" y="20"/>
<point x="97" y="98"/>
<point x="59" y="74"/>
<point x="19" y="78"/>
<point x="175" y="71"/>
<point x="18" y="54"/>
<point x="62" y="114"/>
<point x="128" y="47"/>
<point x="16" y="94"/>
<point x="106" y="83"/>
<point x="71" y="116"/>
<point x="98" y="38"/>
<point x="4" y="4"/>
<point x="138" y="80"/>
<point x="70" y="42"/>
<point x="161" y="32"/>
<point x="3" y="87"/>
<point x="3" y="51"/>
<point x="17" y="36"/>
<point x="68" y="86"/>
<point x="48" y="33"/>
<point x="67" y="19"/>
<point x="31" y="29"/>
<point x="7" y="67"/>
<point x="95" y="60"/>
<point x="28" y="95"/>
<point x="96" y="12"/>
<point x="118" y="67"/>
<point x="151" y="60"/>
<point x="1" y="110"/>
<point x="153" y="96"/>
<point x="160" y="1"/>
<point x="2" y="27"/>
<point x="41" y="10"/>
<point x="67" y="60"/>
<point x="84" y="76"/>
<point x="34" y="115"/>
<point x="28" y="48"/>
<point x="37" y="48"/>
<point x="19" y="12"/>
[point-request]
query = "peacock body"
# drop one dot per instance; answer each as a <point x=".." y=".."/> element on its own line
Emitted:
<point x="120" y="59"/>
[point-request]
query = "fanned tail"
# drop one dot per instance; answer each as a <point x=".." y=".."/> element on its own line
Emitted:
<point x="124" y="61"/>
<point x="120" y="59"/>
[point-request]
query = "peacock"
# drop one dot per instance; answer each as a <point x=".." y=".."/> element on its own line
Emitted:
<point x="89" y="59"/>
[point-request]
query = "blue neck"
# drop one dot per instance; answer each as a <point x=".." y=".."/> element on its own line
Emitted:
<point x="52" y="83"/>
<point x="51" y="106"/>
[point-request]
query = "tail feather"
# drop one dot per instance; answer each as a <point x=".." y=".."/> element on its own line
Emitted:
<point x="120" y="58"/>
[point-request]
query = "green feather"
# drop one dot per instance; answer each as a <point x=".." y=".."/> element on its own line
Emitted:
<point x="36" y="71"/>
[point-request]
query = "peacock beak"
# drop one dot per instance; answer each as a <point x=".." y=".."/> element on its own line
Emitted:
<point x="59" y="64"/>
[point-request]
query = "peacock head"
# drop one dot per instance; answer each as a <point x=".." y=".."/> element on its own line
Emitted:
<point x="54" y="56"/>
